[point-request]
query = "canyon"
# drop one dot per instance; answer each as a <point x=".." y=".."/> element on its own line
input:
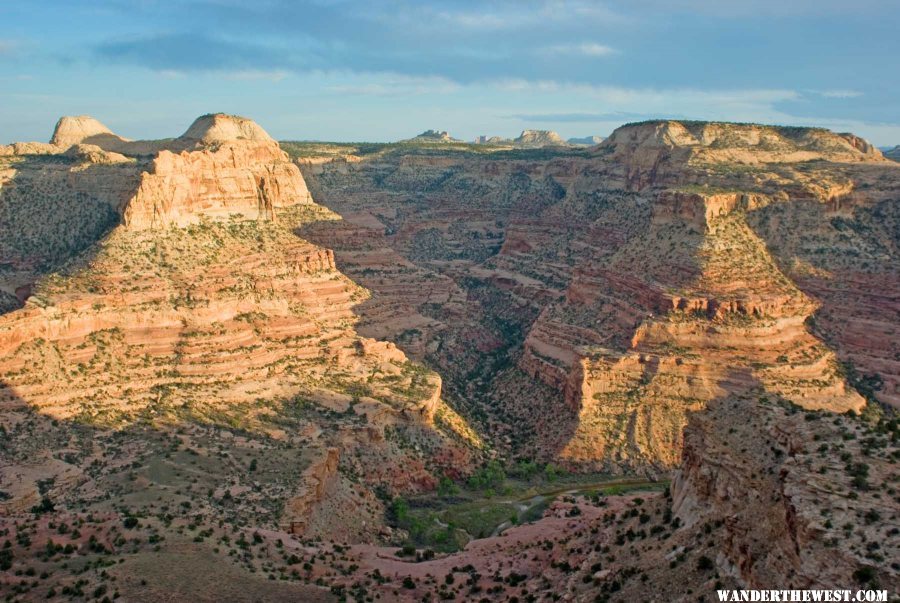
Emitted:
<point x="230" y="351"/>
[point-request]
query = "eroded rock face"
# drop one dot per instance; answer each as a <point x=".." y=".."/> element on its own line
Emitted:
<point x="223" y="165"/>
<point x="63" y="196"/>
<point x="791" y="511"/>
<point x="216" y="317"/>
<point x="197" y="303"/>
<point x="679" y="316"/>
<point x="251" y="179"/>
<point x="625" y="288"/>
<point x="539" y="138"/>
<point x="659" y="151"/>
<point x="312" y="490"/>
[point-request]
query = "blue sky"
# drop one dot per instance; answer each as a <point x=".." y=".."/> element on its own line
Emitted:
<point x="373" y="70"/>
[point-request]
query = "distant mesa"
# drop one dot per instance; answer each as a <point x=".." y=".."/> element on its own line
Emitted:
<point x="433" y="136"/>
<point x="529" y="139"/>
<point x="586" y="141"/>
<point x="893" y="153"/>
<point x="723" y="142"/>
<point x="539" y="138"/>
<point x="492" y="140"/>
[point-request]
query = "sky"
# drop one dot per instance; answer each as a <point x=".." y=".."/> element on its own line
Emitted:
<point x="371" y="70"/>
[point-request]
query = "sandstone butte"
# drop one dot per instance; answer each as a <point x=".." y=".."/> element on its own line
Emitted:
<point x="532" y="139"/>
<point x="286" y="337"/>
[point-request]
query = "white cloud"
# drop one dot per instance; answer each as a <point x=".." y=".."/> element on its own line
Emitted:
<point x="275" y="75"/>
<point x="680" y="100"/>
<point x="840" y="93"/>
<point x="588" y="49"/>
<point x="513" y="15"/>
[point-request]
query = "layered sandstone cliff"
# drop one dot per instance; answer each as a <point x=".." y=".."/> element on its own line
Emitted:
<point x="628" y="284"/>
<point x="801" y="498"/>
<point x="691" y="310"/>
<point x="660" y="151"/>
<point x="716" y="299"/>
<point x="58" y="199"/>
<point x="249" y="178"/>
<point x="191" y="304"/>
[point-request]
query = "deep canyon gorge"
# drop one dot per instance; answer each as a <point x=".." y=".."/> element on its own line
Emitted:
<point x="665" y="363"/>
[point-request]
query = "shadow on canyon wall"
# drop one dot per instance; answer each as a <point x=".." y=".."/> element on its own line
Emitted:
<point x="50" y="213"/>
<point x="70" y="472"/>
<point x="846" y="262"/>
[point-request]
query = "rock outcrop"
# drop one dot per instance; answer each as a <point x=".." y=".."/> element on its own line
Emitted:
<point x="189" y="303"/>
<point x="893" y="153"/>
<point x="586" y="140"/>
<point x="528" y="139"/>
<point x="660" y="150"/>
<point x="248" y="177"/>
<point x="484" y="139"/>
<point x="218" y="128"/>
<point x="223" y="165"/>
<point x="661" y="328"/>
<point x="82" y="129"/>
<point x="539" y="138"/>
<point x="312" y="490"/>
<point x="433" y="136"/>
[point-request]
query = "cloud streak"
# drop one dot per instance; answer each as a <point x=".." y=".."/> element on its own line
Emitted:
<point x="841" y="93"/>
<point x="588" y="49"/>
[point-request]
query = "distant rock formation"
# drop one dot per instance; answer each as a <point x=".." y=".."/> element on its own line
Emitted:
<point x="587" y="140"/>
<point x="81" y="129"/>
<point x="743" y="143"/>
<point x="433" y="136"/>
<point x="528" y="139"/>
<point x="893" y="153"/>
<point x="492" y="140"/>
<point x="539" y="138"/>
<point x="222" y="165"/>
<point x="655" y="150"/>
<point x="216" y="128"/>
